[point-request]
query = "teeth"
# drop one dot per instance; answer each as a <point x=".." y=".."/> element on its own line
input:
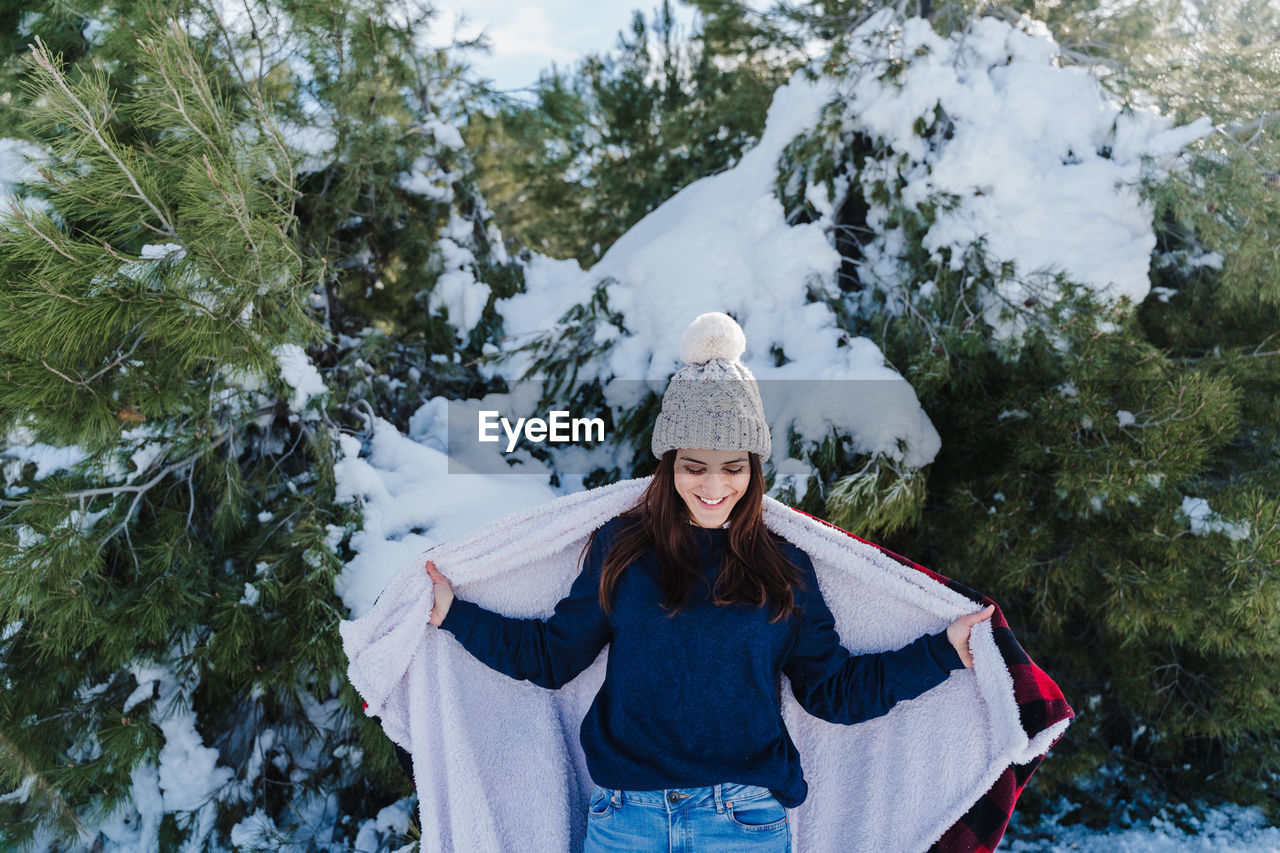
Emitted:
<point x="709" y="503"/>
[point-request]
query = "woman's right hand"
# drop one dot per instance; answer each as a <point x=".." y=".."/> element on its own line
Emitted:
<point x="443" y="594"/>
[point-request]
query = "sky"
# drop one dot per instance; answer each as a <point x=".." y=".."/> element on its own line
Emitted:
<point x="527" y="37"/>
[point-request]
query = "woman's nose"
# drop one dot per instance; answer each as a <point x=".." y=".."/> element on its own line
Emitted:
<point x="719" y="486"/>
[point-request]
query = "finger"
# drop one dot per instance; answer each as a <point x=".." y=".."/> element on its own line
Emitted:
<point x="979" y="616"/>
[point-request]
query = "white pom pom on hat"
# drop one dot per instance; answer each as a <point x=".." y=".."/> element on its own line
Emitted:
<point x="712" y="402"/>
<point x="710" y="336"/>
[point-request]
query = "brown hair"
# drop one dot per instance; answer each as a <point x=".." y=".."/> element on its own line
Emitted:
<point x="754" y="570"/>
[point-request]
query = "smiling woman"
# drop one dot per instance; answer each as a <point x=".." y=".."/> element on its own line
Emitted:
<point x="704" y="608"/>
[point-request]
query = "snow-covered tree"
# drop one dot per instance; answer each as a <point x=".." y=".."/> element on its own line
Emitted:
<point x="597" y="146"/>
<point x="225" y="262"/>
<point x="1052" y="281"/>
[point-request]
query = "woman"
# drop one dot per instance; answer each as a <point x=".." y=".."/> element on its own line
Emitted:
<point x="703" y="609"/>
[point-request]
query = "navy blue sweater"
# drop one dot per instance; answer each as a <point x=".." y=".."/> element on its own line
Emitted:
<point x="692" y="700"/>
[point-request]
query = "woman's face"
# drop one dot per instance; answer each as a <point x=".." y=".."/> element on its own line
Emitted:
<point x="711" y="481"/>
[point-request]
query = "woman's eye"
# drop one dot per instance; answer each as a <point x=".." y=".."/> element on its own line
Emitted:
<point x="734" y="471"/>
<point x="691" y="471"/>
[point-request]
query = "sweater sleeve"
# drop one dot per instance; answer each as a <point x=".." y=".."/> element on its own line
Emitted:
<point x="547" y="652"/>
<point x="840" y="687"/>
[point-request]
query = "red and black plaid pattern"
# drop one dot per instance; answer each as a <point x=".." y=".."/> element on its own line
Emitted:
<point x="1040" y="705"/>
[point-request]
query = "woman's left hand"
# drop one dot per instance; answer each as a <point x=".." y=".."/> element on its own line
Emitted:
<point x="958" y="632"/>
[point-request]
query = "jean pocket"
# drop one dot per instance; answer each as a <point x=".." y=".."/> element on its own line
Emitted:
<point x="758" y="814"/>
<point x="601" y="803"/>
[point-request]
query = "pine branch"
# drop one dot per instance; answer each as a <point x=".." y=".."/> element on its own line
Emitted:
<point x="121" y="359"/>
<point x="1088" y="59"/>
<point x="139" y="489"/>
<point x="1237" y="352"/>
<point x="241" y="212"/>
<point x="123" y="524"/>
<point x="211" y="9"/>
<point x="45" y="60"/>
<point x="55" y="806"/>
<point x="62" y="375"/>
<point x="179" y="105"/>
<point x="257" y="37"/>
<point x="20" y="214"/>
<point x="1237" y="130"/>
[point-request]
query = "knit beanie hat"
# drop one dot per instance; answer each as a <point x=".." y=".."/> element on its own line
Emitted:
<point x="712" y="403"/>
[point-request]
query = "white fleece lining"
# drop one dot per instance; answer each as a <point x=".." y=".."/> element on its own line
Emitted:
<point x="497" y="761"/>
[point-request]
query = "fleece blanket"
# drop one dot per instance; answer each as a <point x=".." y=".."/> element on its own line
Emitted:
<point x="497" y="762"/>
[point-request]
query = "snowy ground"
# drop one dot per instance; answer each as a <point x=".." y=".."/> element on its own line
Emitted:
<point x="1229" y="829"/>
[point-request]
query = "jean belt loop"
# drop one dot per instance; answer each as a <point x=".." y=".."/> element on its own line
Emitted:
<point x="719" y="799"/>
<point x="615" y="794"/>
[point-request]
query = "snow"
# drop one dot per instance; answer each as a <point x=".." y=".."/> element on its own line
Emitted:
<point x="185" y="778"/>
<point x="410" y="501"/>
<point x="300" y="374"/>
<point x="456" y="289"/>
<point x="257" y="828"/>
<point x="1040" y="165"/>
<point x="723" y="243"/>
<point x="1228" y="829"/>
<point x="188" y="772"/>
<point x="144" y="456"/>
<point x="250" y="597"/>
<point x="141" y="693"/>
<point x="794" y="475"/>
<point x="22" y="792"/>
<point x="391" y="821"/>
<point x="314" y="138"/>
<point x="47" y="458"/>
<point x="443" y="132"/>
<point x="17" y="165"/>
<point x="95" y="30"/>
<point x="720" y="243"/>
<point x="1204" y="521"/>
<point x="426" y="178"/>
<point x="153" y="251"/>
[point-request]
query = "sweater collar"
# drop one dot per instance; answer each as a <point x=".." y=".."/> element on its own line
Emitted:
<point x="715" y="536"/>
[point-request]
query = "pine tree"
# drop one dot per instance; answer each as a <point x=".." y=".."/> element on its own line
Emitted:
<point x="609" y="140"/>
<point x="232" y="258"/>
<point x="145" y="298"/>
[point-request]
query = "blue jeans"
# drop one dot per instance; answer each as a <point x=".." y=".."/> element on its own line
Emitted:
<point x="726" y="817"/>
